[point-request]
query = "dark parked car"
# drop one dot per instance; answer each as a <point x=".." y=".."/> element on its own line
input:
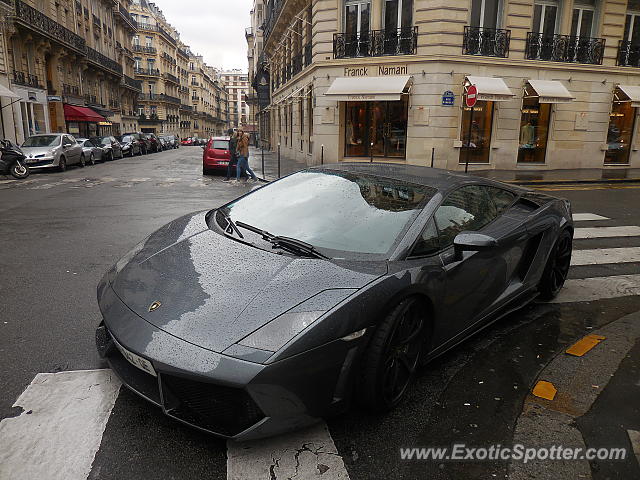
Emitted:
<point x="131" y="145"/>
<point x="372" y="270"/>
<point x="154" y="143"/>
<point x="111" y="147"/>
<point x="171" y="141"/>
<point x="143" y="141"/>
<point x="164" y="145"/>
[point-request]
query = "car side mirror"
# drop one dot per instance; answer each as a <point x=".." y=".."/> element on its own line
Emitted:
<point x="472" y="242"/>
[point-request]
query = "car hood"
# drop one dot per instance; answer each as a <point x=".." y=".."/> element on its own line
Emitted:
<point x="213" y="291"/>
<point x="33" y="151"/>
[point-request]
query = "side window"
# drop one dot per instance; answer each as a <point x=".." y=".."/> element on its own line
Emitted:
<point x="428" y="242"/>
<point x="502" y="199"/>
<point x="468" y="208"/>
<point x="66" y="141"/>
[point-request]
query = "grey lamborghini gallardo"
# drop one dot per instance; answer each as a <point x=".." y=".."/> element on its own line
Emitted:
<point x="330" y="285"/>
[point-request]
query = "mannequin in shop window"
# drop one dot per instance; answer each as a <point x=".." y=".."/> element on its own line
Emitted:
<point x="528" y="135"/>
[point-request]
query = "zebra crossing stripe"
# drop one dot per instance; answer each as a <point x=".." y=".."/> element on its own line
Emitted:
<point x="603" y="256"/>
<point x="592" y="289"/>
<point x="586" y="217"/>
<point x="59" y="431"/>
<point x="303" y="454"/>
<point x="606" y="232"/>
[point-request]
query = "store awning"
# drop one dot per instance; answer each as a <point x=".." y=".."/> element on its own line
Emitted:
<point x="73" y="113"/>
<point x="369" y="88"/>
<point x="5" y="92"/>
<point x="491" y="89"/>
<point x="632" y="92"/>
<point x="551" y="91"/>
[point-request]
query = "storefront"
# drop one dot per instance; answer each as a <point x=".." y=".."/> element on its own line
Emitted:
<point x="622" y="121"/>
<point x="374" y="116"/>
<point x="535" y="119"/>
<point x="477" y="122"/>
<point x="82" y="121"/>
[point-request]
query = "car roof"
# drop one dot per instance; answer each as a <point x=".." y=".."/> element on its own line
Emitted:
<point x="442" y="180"/>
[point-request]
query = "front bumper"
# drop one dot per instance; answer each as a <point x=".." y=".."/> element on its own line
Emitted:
<point x="220" y="394"/>
<point x="33" y="163"/>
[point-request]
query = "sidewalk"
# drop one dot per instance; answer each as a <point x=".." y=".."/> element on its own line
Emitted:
<point x="550" y="177"/>
<point x="517" y="176"/>
<point x="287" y="165"/>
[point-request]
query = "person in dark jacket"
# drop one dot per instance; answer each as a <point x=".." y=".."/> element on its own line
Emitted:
<point x="233" y="147"/>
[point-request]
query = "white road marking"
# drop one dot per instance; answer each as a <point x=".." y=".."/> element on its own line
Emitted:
<point x="602" y="256"/>
<point x="585" y="217"/>
<point x="304" y="454"/>
<point x="591" y="289"/>
<point x="606" y="232"/>
<point x="61" y="427"/>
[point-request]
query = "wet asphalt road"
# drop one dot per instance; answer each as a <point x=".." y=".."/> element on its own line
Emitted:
<point x="61" y="231"/>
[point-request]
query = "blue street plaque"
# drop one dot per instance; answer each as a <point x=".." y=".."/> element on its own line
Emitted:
<point x="448" y="99"/>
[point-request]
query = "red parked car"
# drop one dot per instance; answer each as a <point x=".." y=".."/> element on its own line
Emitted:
<point x="187" y="141"/>
<point x="216" y="155"/>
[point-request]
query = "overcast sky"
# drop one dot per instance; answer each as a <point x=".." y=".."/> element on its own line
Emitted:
<point x="212" y="28"/>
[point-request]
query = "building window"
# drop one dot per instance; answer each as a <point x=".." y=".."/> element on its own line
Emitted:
<point x="148" y="41"/>
<point x="622" y="120"/>
<point x="377" y="129"/>
<point x="545" y="17"/>
<point x="136" y="39"/>
<point x="476" y="133"/>
<point x="632" y="24"/>
<point x="534" y="128"/>
<point x="486" y="13"/>
<point x="310" y="119"/>
<point x="398" y="14"/>
<point x="583" y="18"/>
<point x="356" y="27"/>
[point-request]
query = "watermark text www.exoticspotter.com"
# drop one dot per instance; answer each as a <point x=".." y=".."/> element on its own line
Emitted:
<point x="518" y="453"/>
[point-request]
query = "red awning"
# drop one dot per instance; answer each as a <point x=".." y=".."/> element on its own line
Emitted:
<point x="81" y="114"/>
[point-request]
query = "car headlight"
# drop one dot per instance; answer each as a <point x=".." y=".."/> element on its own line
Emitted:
<point x="275" y="334"/>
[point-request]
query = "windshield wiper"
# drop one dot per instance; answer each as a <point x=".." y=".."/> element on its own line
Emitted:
<point x="231" y="226"/>
<point x="292" y="245"/>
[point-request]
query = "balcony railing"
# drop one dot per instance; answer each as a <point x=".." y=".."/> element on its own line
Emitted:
<point x="158" y="97"/>
<point x="182" y="52"/>
<point x="145" y="49"/>
<point x="376" y="43"/>
<point x="132" y="83"/>
<point x="38" y="21"/>
<point x="156" y="28"/>
<point x="564" y="48"/>
<point x="150" y="72"/>
<point x="73" y="90"/>
<point x="103" y="61"/>
<point x="628" y="54"/>
<point x="92" y="100"/>
<point x="486" y="42"/>
<point x="171" y="78"/>
<point x="169" y="58"/>
<point x="26" y="79"/>
<point x="188" y="108"/>
<point x="126" y="16"/>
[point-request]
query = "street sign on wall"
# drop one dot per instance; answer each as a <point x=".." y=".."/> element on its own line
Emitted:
<point x="472" y="96"/>
<point x="448" y="99"/>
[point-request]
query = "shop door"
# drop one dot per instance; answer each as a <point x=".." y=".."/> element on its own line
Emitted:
<point x="377" y="129"/>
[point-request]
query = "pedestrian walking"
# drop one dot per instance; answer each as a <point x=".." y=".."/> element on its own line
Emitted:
<point x="233" y="146"/>
<point x="243" y="156"/>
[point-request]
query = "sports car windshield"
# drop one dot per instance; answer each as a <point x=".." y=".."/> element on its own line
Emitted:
<point x="340" y="213"/>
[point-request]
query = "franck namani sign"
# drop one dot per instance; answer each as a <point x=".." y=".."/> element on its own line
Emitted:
<point x="375" y="70"/>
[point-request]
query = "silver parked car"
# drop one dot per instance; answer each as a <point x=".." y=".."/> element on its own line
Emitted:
<point x="52" y="150"/>
<point x="92" y="152"/>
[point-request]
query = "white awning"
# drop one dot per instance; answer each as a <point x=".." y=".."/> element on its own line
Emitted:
<point x="491" y="89"/>
<point x="551" y="91"/>
<point x="632" y="92"/>
<point x="5" y="92"/>
<point x="369" y="88"/>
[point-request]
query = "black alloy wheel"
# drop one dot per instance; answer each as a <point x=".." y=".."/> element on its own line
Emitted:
<point x="62" y="164"/>
<point x="393" y="355"/>
<point x="557" y="268"/>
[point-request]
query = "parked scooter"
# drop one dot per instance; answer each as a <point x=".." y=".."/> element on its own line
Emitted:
<point x="12" y="160"/>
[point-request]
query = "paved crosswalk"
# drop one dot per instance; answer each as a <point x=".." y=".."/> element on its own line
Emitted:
<point x="64" y="414"/>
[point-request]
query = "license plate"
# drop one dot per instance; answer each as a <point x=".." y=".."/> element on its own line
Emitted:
<point x="136" y="360"/>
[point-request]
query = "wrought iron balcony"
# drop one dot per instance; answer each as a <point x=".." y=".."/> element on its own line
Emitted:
<point x="26" y="79"/>
<point x="182" y="52"/>
<point x="171" y="78"/>
<point x="628" y="54"/>
<point x="92" y="100"/>
<point x="145" y="49"/>
<point x="125" y="16"/>
<point x="487" y="42"/>
<point x="73" y="90"/>
<point x="158" y="97"/>
<point x="132" y="83"/>
<point x="39" y="22"/>
<point x="156" y="28"/>
<point x="376" y="43"/>
<point x="564" y="48"/>
<point x="149" y="72"/>
<point x="103" y="61"/>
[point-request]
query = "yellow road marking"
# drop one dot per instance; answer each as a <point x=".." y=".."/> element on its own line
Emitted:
<point x="545" y="390"/>
<point x="583" y="345"/>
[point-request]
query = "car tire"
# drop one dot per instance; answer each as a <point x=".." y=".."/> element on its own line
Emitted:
<point x="92" y="159"/>
<point x="393" y="355"/>
<point x="83" y="161"/>
<point x="62" y="164"/>
<point x="557" y="267"/>
<point x="205" y="171"/>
